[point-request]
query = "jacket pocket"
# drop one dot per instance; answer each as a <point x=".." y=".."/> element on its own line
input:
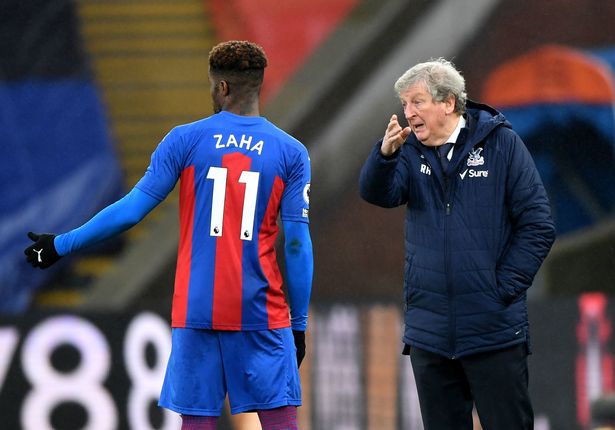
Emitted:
<point x="504" y="296"/>
<point x="495" y="288"/>
<point x="408" y="269"/>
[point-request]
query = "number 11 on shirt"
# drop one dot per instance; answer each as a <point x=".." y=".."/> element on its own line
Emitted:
<point x="219" y="176"/>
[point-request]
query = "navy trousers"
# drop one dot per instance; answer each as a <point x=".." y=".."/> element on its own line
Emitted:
<point x="495" y="381"/>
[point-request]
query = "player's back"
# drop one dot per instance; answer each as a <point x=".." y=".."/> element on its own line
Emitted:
<point x="237" y="174"/>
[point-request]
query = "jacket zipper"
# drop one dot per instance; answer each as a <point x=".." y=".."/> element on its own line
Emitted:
<point x="449" y="287"/>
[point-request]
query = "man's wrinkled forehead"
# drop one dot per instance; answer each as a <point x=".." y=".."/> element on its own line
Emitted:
<point x="418" y="89"/>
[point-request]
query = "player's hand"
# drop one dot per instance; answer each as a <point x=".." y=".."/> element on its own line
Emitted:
<point x="394" y="137"/>
<point x="300" y="345"/>
<point x="42" y="253"/>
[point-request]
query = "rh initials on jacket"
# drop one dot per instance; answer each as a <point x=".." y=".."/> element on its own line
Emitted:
<point x="474" y="237"/>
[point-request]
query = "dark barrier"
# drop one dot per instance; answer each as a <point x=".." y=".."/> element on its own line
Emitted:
<point x="63" y="371"/>
<point x="96" y="372"/>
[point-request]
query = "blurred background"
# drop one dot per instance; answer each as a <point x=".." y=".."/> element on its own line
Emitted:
<point x="87" y="90"/>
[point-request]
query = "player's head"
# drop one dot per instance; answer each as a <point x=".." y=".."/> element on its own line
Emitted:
<point x="441" y="79"/>
<point x="236" y="71"/>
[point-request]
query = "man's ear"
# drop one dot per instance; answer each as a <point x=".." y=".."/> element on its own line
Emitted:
<point x="449" y="105"/>
<point x="224" y="88"/>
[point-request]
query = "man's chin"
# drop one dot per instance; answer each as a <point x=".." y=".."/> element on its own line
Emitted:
<point x="422" y="138"/>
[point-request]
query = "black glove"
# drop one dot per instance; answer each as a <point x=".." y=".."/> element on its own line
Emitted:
<point x="300" y="345"/>
<point x="42" y="253"/>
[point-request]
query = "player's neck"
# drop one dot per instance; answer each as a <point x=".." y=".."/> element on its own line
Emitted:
<point x="243" y="109"/>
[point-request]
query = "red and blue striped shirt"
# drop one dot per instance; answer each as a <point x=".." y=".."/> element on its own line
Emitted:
<point x="237" y="174"/>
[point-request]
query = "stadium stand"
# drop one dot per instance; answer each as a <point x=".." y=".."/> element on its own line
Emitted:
<point x="55" y="139"/>
<point x="560" y="100"/>
<point x="150" y="60"/>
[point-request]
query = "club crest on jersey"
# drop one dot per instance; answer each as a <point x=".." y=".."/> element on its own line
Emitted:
<point x="246" y="142"/>
<point x="475" y="159"/>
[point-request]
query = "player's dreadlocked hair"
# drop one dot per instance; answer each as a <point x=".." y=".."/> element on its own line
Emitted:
<point x="240" y="62"/>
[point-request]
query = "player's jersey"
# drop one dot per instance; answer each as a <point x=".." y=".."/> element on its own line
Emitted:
<point x="237" y="174"/>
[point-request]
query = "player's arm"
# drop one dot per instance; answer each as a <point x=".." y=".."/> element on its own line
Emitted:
<point x="157" y="182"/>
<point x="294" y="211"/>
<point x="114" y="219"/>
<point x="299" y="273"/>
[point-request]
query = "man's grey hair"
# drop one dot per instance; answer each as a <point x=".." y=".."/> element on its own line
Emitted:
<point x="441" y="79"/>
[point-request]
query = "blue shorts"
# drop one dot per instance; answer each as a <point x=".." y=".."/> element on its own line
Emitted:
<point x="258" y="370"/>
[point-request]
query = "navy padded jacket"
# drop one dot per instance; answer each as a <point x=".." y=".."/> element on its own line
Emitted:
<point x="474" y="238"/>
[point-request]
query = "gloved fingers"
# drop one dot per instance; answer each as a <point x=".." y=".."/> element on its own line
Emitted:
<point x="300" y="358"/>
<point x="42" y="253"/>
<point x="32" y="261"/>
<point x="299" y="337"/>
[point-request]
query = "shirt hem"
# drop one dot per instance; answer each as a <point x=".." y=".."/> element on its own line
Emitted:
<point x="231" y="327"/>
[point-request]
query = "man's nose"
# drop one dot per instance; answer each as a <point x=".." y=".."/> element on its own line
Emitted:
<point x="409" y="111"/>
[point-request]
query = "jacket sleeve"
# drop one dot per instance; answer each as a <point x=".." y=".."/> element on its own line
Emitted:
<point x="384" y="181"/>
<point x="533" y="229"/>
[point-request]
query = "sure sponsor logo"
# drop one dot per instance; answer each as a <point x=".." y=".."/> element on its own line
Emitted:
<point x="471" y="173"/>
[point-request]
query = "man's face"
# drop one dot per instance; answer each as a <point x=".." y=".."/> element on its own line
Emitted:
<point x="428" y="119"/>
<point x="216" y="96"/>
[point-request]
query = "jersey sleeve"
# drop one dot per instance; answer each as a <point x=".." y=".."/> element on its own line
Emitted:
<point x="295" y="205"/>
<point x="165" y="167"/>
<point x="110" y="221"/>
<point x="299" y="271"/>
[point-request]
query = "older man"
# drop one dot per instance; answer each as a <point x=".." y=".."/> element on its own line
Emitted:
<point x="478" y="227"/>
